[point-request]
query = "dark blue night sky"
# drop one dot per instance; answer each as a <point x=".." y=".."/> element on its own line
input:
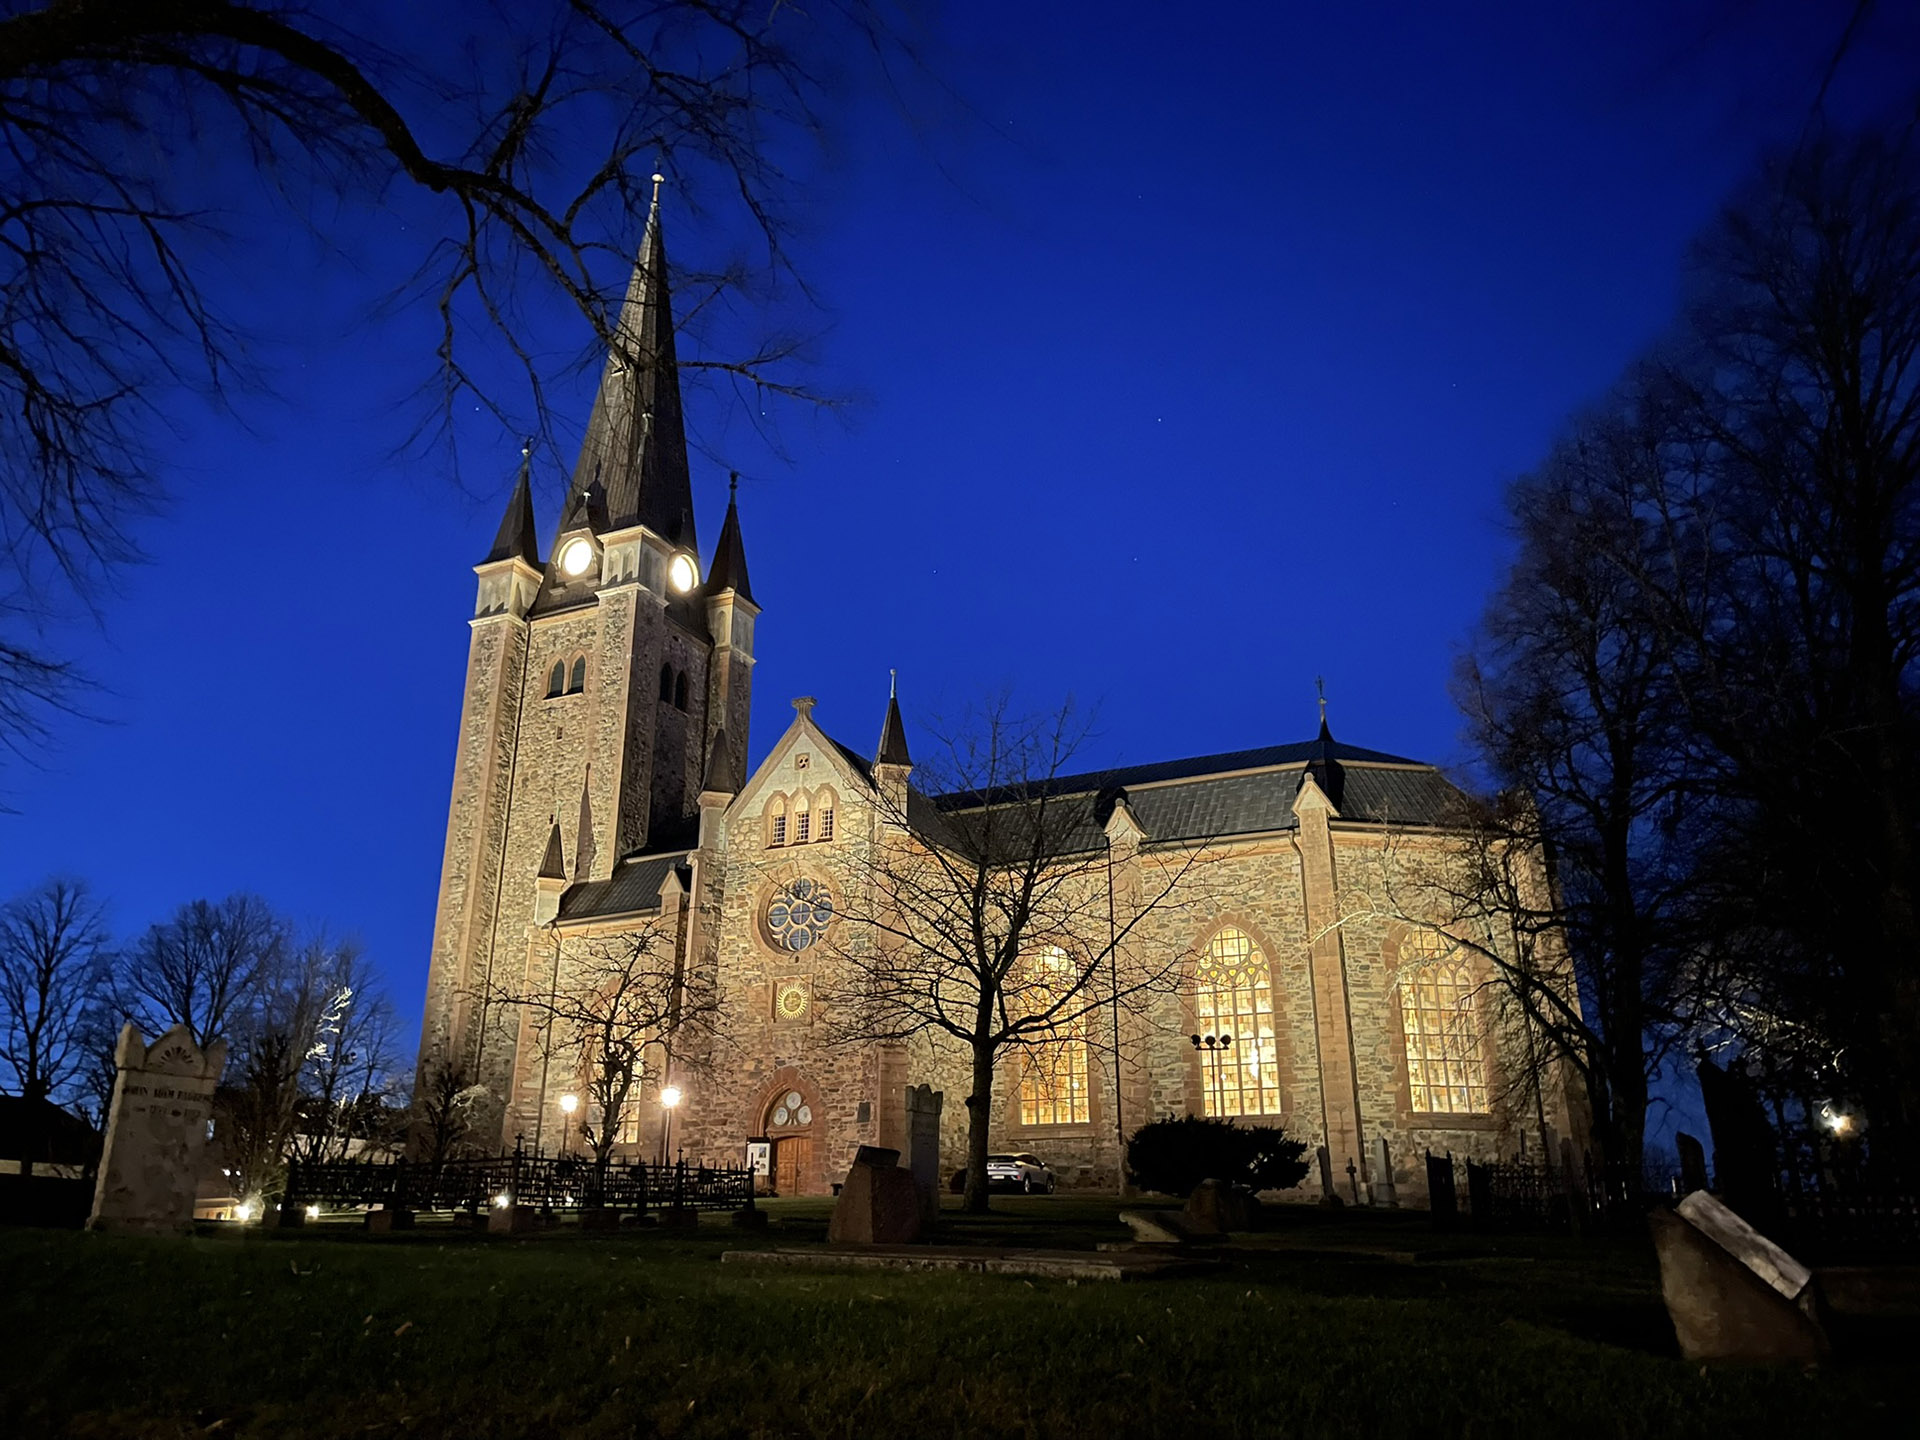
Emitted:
<point x="1190" y="367"/>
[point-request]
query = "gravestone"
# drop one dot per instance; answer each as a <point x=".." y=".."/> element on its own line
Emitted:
<point x="1732" y="1293"/>
<point x="879" y="1203"/>
<point x="1328" y="1195"/>
<point x="1443" y="1200"/>
<point x="1693" y="1163"/>
<point x="156" y="1132"/>
<point x="924" y="1104"/>
<point x="1218" y="1207"/>
<point x="1383" y="1188"/>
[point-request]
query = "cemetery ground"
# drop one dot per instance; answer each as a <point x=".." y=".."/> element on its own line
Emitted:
<point x="1363" y="1323"/>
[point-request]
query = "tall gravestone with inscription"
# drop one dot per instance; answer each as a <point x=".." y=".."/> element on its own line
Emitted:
<point x="924" y="1104"/>
<point x="156" y="1132"/>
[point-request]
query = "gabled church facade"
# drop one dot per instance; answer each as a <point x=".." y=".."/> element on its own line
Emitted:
<point x="600" y="792"/>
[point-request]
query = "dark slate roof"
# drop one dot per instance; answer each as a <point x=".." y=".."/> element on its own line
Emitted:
<point x="1244" y="792"/>
<point x="517" y="540"/>
<point x="634" y="886"/>
<point x="729" y="570"/>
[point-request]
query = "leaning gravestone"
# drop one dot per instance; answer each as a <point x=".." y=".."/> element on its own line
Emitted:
<point x="879" y="1204"/>
<point x="1732" y="1293"/>
<point x="1693" y="1163"/>
<point x="924" y="1104"/>
<point x="156" y="1132"/>
<point x="1329" y="1196"/>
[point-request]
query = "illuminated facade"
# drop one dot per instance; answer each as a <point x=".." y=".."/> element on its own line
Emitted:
<point x="600" y="790"/>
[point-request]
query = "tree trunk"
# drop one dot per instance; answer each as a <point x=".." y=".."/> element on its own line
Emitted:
<point x="979" y="1117"/>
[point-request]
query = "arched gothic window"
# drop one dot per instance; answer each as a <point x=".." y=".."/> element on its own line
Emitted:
<point x="557" y="681"/>
<point x="578" y="680"/>
<point x="777" y="820"/>
<point x="1446" y="1056"/>
<point x="802" y="819"/>
<point x="1233" y="995"/>
<point x="1053" y="1075"/>
<point x="680" y="691"/>
<point x="666" y="683"/>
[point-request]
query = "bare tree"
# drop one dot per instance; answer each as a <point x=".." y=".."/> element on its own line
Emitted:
<point x="347" y="1075"/>
<point x="1576" y="712"/>
<point x="53" y="967"/>
<point x="989" y="918"/>
<point x="446" y="1108"/>
<point x="608" y="1001"/>
<point x="205" y="967"/>
<point x="527" y="139"/>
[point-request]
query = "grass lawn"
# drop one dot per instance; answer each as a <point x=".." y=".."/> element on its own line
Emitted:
<point x="1332" y="1326"/>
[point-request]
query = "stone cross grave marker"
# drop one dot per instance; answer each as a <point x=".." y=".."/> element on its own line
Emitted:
<point x="156" y="1132"/>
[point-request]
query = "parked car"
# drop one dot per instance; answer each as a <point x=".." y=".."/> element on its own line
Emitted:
<point x="1024" y="1171"/>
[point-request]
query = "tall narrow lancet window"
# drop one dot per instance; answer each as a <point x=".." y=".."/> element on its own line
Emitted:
<point x="666" y="683"/>
<point x="1053" y="1071"/>
<point x="1446" y="1053"/>
<point x="777" y="821"/>
<point x="557" y="681"/>
<point x="577" y="681"/>
<point x="680" y="691"/>
<point x="1233" y="995"/>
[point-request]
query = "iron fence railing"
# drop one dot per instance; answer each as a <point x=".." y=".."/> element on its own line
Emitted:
<point x="543" y="1182"/>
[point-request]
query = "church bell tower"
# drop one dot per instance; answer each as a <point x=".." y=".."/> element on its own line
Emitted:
<point x="598" y="681"/>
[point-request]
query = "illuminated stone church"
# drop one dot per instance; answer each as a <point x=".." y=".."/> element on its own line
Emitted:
<point x="600" y="786"/>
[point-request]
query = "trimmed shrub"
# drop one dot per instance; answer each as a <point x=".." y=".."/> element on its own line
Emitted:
<point x="1172" y="1156"/>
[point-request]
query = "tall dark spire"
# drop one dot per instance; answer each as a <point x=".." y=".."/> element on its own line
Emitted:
<point x="517" y="540"/>
<point x="636" y="445"/>
<point x="893" y="734"/>
<point x="729" y="568"/>
<point x="553" y="866"/>
<point x="719" y="780"/>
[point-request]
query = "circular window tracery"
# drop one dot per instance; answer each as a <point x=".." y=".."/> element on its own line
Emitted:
<point x="799" y="914"/>
<point x="791" y="1109"/>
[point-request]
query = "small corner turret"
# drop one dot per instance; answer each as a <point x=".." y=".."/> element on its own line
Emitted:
<point x="510" y="573"/>
<point x="731" y="613"/>
<point x="892" y="763"/>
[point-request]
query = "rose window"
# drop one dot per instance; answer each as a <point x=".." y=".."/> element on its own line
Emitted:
<point x="800" y="914"/>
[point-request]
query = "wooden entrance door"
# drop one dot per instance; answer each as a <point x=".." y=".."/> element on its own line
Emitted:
<point x="792" y="1160"/>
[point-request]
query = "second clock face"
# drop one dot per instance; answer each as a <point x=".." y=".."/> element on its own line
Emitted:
<point x="576" y="557"/>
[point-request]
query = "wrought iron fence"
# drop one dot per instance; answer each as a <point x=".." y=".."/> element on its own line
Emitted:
<point x="544" y="1182"/>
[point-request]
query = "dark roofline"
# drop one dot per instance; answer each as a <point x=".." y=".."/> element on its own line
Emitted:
<point x="1270" y="757"/>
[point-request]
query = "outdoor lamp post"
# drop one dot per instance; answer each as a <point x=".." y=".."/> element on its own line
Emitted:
<point x="669" y="1102"/>
<point x="568" y="1105"/>
<point x="1215" y="1048"/>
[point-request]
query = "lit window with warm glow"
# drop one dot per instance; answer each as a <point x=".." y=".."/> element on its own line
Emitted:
<point x="576" y="557"/>
<point x="1053" y="1073"/>
<point x="1233" y="995"/>
<point x="1446" y="1062"/>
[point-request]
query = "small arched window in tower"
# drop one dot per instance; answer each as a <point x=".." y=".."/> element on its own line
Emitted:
<point x="1446" y="1053"/>
<point x="680" y="691"/>
<point x="802" y="820"/>
<point x="777" y="821"/>
<point x="577" y="681"/>
<point x="666" y="684"/>
<point x="557" y="681"/>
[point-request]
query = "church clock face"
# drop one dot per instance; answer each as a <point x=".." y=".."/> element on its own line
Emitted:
<point x="575" y="557"/>
<point x="798" y="915"/>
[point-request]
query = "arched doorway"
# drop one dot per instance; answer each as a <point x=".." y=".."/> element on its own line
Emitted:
<point x="789" y="1125"/>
